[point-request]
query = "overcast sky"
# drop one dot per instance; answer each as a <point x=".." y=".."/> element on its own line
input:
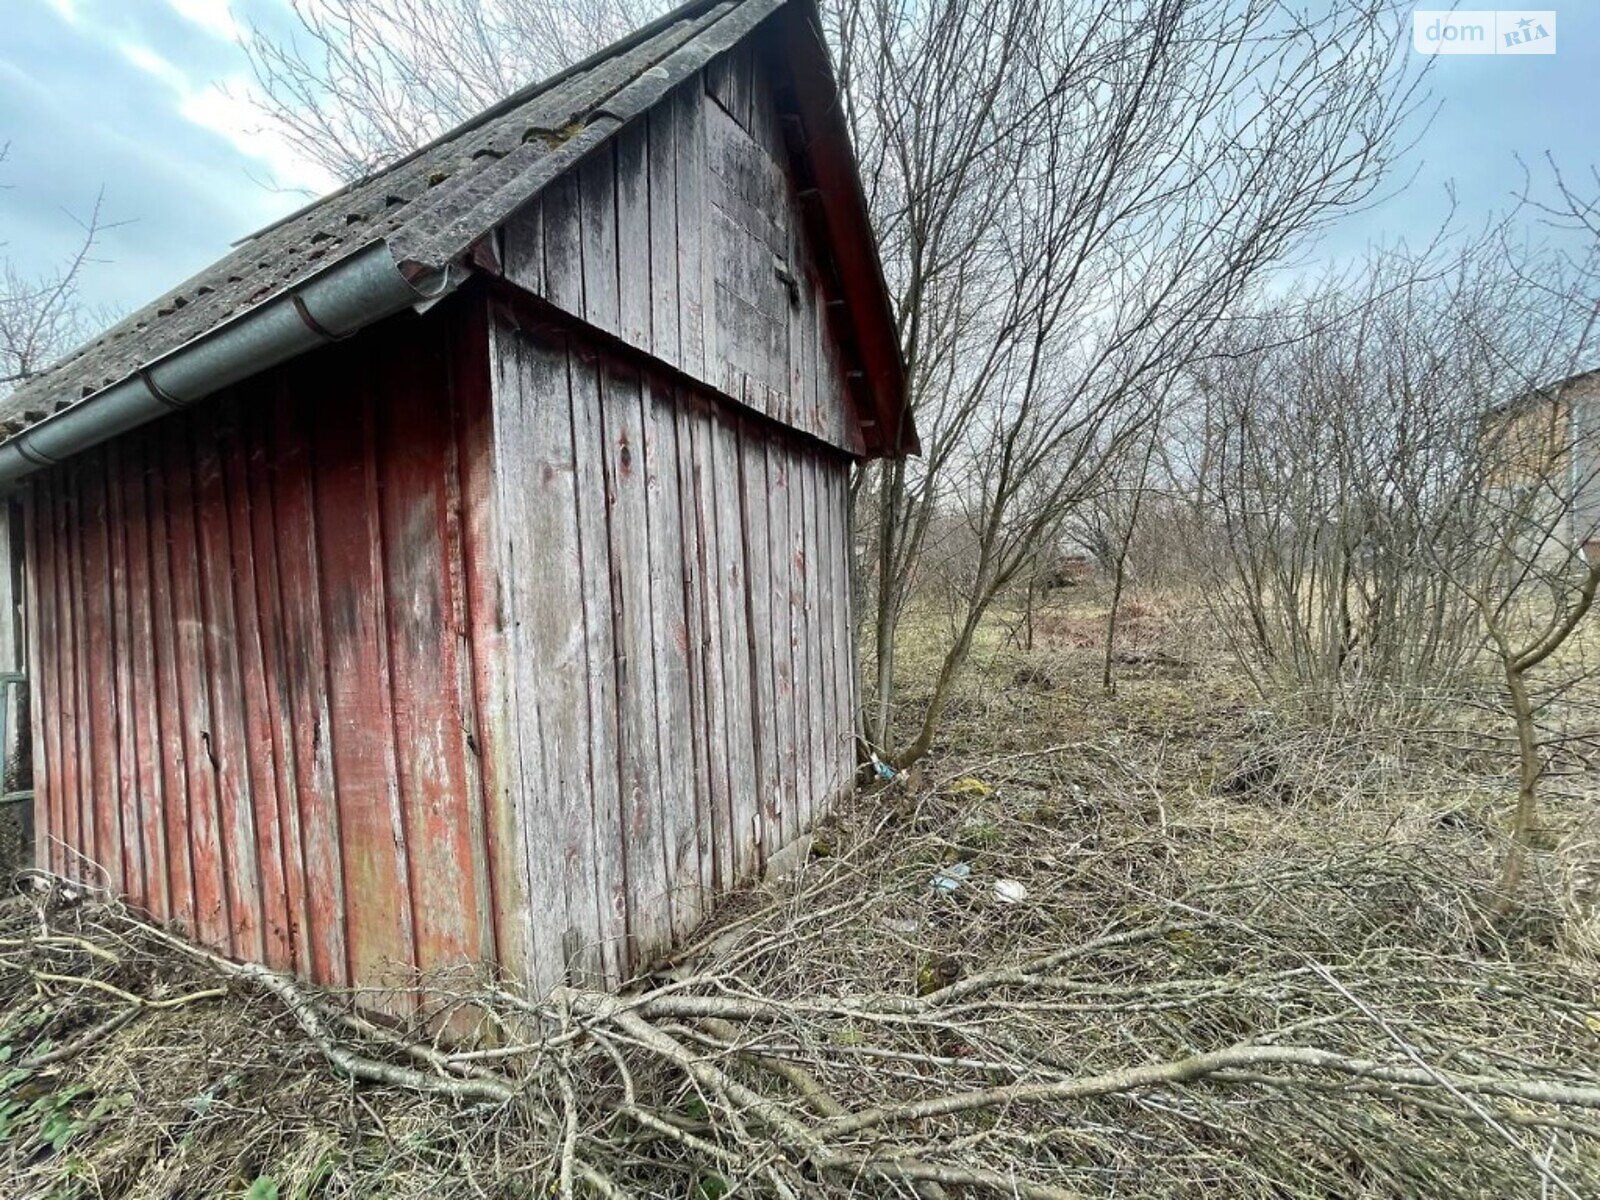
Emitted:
<point x="146" y="99"/>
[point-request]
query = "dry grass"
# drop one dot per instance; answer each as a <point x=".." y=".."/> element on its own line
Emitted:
<point x="1204" y="878"/>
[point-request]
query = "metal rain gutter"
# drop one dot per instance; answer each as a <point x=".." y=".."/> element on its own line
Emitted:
<point x="345" y="298"/>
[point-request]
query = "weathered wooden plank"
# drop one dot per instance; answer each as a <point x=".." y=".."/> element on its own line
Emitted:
<point x="467" y="483"/>
<point x="633" y="234"/>
<point x="141" y="715"/>
<point x="260" y="763"/>
<point x="380" y="938"/>
<point x="119" y="696"/>
<point x="563" y="245"/>
<point x="818" y="651"/>
<point x="166" y="702"/>
<point x="597" y="231"/>
<point x="799" y="639"/>
<point x="844" y="629"/>
<point x="43" y="653"/>
<point x="213" y="921"/>
<point x="306" y="683"/>
<point x="279" y="712"/>
<point x="829" y="562"/>
<point x="226" y="739"/>
<point x="693" y="574"/>
<point x="700" y="428"/>
<point x="758" y="590"/>
<point x="631" y="566"/>
<point x="781" y="643"/>
<point x="688" y="113"/>
<point x="79" y="830"/>
<point x="495" y="491"/>
<point x="552" y="652"/>
<point x="437" y="806"/>
<point x="99" y="673"/>
<point x="677" y="749"/>
<point x="524" y="248"/>
<point x="743" y="734"/>
<point x="610" y="867"/>
<point x="663" y="235"/>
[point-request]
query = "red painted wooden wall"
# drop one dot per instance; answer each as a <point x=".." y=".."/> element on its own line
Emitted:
<point x="263" y="630"/>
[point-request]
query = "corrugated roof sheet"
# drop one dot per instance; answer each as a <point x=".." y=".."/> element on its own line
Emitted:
<point x="429" y="207"/>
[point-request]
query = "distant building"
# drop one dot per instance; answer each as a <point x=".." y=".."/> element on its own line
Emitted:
<point x="1552" y="435"/>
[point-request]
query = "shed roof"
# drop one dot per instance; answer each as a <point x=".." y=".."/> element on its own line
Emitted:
<point x="430" y="208"/>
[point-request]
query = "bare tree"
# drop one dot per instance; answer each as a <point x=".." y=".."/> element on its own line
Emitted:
<point x="1405" y="473"/>
<point x="1070" y="197"/>
<point x="42" y="317"/>
<point x="367" y="81"/>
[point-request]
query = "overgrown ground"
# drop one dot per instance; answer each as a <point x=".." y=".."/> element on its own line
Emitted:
<point x="1242" y="957"/>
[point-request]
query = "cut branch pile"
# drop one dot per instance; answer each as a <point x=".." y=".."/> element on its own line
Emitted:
<point x="1343" y="1025"/>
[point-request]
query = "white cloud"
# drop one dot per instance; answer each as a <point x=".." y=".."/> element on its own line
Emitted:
<point x="153" y="64"/>
<point x="226" y="109"/>
<point x="214" y="16"/>
<point x="67" y="10"/>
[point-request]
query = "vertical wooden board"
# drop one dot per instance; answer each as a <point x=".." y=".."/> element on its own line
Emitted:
<point x="379" y="938"/>
<point x="129" y="816"/>
<point x="167" y="713"/>
<point x="631" y="569"/>
<point x="213" y="920"/>
<point x="799" y="639"/>
<point x="260" y="765"/>
<point x="633" y="234"/>
<point x="468" y="549"/>
<point x="689" y="143"/>
<point x="414" y="446"/>
<point x="663" y="234"/>
<point x="822" y="630"/>
<point x="44" y="662"/>
<point x="597" y="213"/>
<point x="552" y="676"/>
<point x="259" y="537"/>
<point x="834" y="633"/>
<point x="305" y="683"/>
<point x="694" y="614"/>
<point x="563" y="244"/>
<point x="73" y="826"/>
<point x="677" y="749"/>
<point x="226" y="739"/>
<point x="779" y="641"/>
<point x="495" y="492"/>
<point x="744" y="773"/>
<point x="143" y="774"/>
<point x="701" y="430"/>
<point x="758" y="595"/>
<point x="524" y="248"/>
<point x="818" y="654"/>
<point x="610" y="869"/>
<point x="844" y="630"/>
<point x="99" y="673"/>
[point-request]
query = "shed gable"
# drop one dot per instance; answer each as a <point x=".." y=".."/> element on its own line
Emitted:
<point x="688" y="238"/>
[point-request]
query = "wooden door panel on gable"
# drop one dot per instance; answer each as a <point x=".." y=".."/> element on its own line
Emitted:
<point x="734" y="300"/>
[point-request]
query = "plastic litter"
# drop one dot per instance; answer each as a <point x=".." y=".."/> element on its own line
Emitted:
<point x="1009" y="891"/>
<point x="949" y="878"/>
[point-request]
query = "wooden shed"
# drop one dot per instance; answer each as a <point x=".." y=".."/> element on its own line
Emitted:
<point x="458" y="570"/>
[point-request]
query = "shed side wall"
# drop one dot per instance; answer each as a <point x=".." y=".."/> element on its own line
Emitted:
<point x="261" y="646"/>
<point x="679" y="656"/>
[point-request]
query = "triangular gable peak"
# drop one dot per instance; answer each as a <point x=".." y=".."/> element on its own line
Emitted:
<point x="418" y="229"/>
<point x="697" y="236"/>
